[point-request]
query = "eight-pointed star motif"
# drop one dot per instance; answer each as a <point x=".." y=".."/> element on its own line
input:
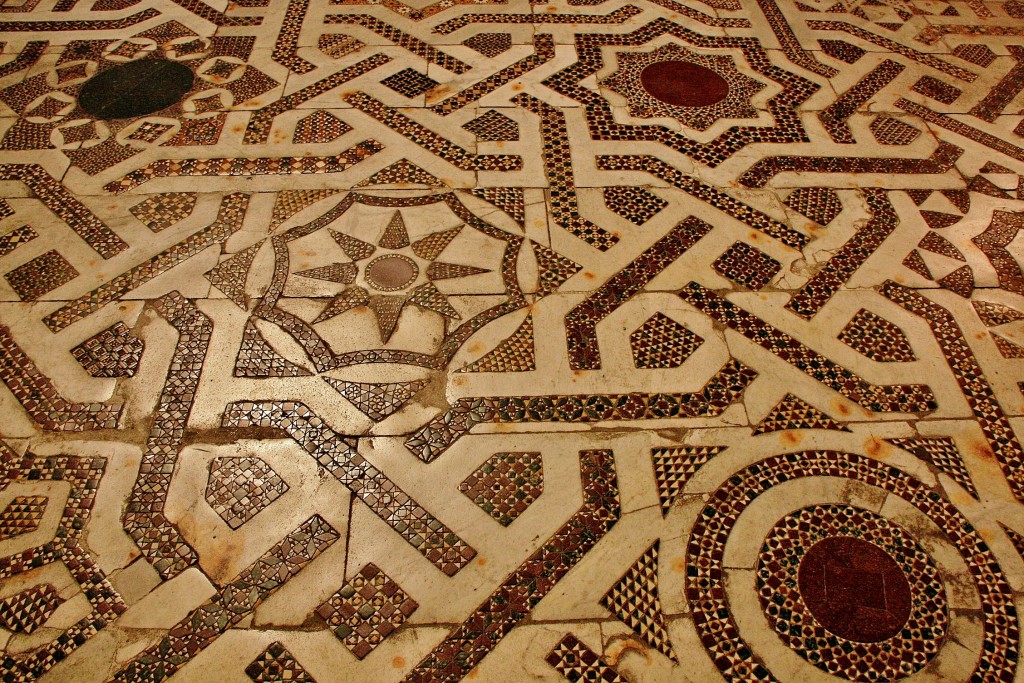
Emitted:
<point x="392" y="278"/>
<point x="694" y="88"/>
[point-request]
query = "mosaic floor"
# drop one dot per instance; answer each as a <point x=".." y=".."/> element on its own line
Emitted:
<point x="511" y="340"/>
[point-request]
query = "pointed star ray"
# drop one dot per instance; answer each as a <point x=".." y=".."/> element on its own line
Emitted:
<point x="354" y="248"/>
<point x="395" y="235"/>
<point x="347" y="300"/>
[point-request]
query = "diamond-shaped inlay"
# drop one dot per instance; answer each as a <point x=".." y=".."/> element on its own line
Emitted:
<point x="114" y="352"/>
<point x="890" y="131"/>
<point x="747" y="266"/>
<point x="277" y="665"/>
<point x="506" y="485"/>
<point x="877" y="338"/>
<point x="240" y="488"/>
<point x="366" y="610"/>
<point x="661" y="342"/>
<point x="489" y="44"/>
<point x="29" y="609"/>
<point x="41" y="275"/>
<point x="22" y="515"/>
<point x="161" y="211"/>
<point x="337" y="45"/>
<point x="149" y="132"/>
<point x="577" y="662"/>
<point x="820" y="204"/>
<point x="319" y="127"/>
<point x="410" y="83"/>
<point x="635" y="204"/>
<point x="493" y="126"/>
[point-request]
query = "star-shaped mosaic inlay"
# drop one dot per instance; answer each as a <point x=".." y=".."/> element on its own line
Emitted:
<point x="392" y="273"/>
<point x="696" y="89"/>
<point x="221" y="68"/>
<point x="50" y="108"/>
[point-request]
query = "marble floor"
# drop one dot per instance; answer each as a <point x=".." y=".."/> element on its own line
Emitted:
<point x="511" y="340"/>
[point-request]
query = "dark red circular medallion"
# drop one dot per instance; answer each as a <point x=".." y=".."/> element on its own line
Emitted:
<point x="855" y="589"/>
<point x="391" y="272"/>
<point x="684" y="84"/>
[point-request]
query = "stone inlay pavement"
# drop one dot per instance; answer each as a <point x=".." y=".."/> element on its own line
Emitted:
<point x="511" y="340"/>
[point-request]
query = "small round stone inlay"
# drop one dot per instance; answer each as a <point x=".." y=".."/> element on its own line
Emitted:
<point x="391" y="272"/>
<point x="855" y="589"/>
<point x="135" y="88"/>
<point x="684" y="84"/>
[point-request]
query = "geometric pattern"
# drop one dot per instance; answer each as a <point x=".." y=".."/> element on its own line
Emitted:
<point x="161" y="211"/>
<point x="673" y="467"/>
<point x="377" y="401"/>
<point x="875" y="337"/>
<point x="114" y="352"/>
<point x="786" y="600"/>
<point x="41" y="275"/>
<point x="29" y="609"/>
<point x="747" y="266"/>
<point x="634" y="600"/>
<point x="505" y="485"/>
<point x="79" y="477"/>
<point x="493" y="126"/>
<point x="240" y="488"/>
<point x="645" y="102"/>
<point x="410" y="83"/>
<point x="820" y="204"/>
<point x="890" y="131"/>
<point x="277" y="665"/>
<point x="489" y="44"/>
<point x="912" y="647"/>
<point x="442" y="547"/>
<point x="577" y="662"/>
<point x="319" y="127"/>
<point x="379" y="233"/>
<point x="21" y="516"/>
<point x="635" y="204"/>
<point x="143" y="518"/>
<point x="343" y="273"/>
<point x="15" y="238"/>
<point x="721" y="391"/>
<point x="1016" y="539"/>
<point x="42" y="400"/>
<point x="994" y="315"/>
<point x="401" y="172"/>
<point x="662" y="343"/>
<point x="366" y="610"/>
<point x="290" y="202"/>
<point x="554" y="269"/>
<point x="841" y="50"/>
<point x="793" y="412"/>
<point x="508" y="199"/>
<point x="516" y="353"/>
<point x="513" y="600"/>
<point x="936" y="89"/>
<point x="229" y="275"/>
<point x="257" y="358"/>
<point x="975" y="53"/>
<point x="994" y="424"/>
<point x="232" y="603"/>
<point x="943" y="454"/>
<point x="1007" y="348"/>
